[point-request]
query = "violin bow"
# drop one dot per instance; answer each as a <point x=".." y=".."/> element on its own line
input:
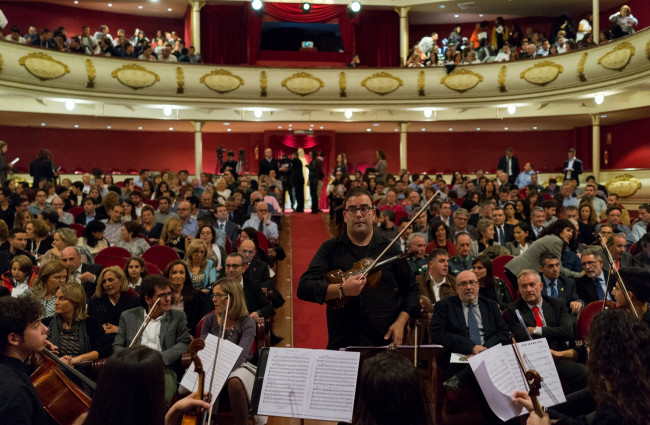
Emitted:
<point x="612" y="267"/>
<point x="147" y="319"/>
<point x="396" y="238"/>
<point x="207" y="415"/>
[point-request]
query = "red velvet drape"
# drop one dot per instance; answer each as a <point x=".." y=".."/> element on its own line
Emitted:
<point x="377" y="38"/>
<point x="254" y="29"/>
<point x="292" y="12"/>
<point x="223" y="34"/>
<point x="187" y="34"/>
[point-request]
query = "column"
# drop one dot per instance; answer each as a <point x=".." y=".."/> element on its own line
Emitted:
<point x="198" y="148"/>
<point x="403" y="144"/>
<point x="403" y="13"/>
<point x="595" y="25"/>
<point x="196" y="24"/>
<point x="595" y="145"/>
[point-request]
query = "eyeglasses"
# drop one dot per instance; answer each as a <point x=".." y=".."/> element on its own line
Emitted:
<point x="365" y="209"/>
<point x="468" y="283"/>
<point x="233" y="266"/>
<point x="164" y="295"/>
<point x="588" y="263"/>
<point x="217" y="296"/>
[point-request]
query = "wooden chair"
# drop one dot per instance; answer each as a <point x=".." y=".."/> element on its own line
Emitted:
<point x="161" y="256"/>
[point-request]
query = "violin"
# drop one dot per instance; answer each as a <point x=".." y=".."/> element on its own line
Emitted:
<point x="619" y="279"/>
<point x="368" y="268"/>
<point x="195" y="346"/>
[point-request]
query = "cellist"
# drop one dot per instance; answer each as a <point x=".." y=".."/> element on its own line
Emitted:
<point x="21" y="334"/>
<point x="378" y="315"/>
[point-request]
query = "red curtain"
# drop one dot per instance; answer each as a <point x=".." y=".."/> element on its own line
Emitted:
<point x="377" y="38"/>
<point x="347" y="35"/>
<point x="223" y="34"/>
<point x="292" y="12"/>
<point x="187" y="34"/>
<point x="254" y="29"/>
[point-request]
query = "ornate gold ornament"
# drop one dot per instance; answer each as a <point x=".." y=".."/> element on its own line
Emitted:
<point x="501" y="81"/>
<point x="421" y="82"/>
<point x="461" y="80"/>
<point x="43" y="66"/>
<point x="382" y="83"/>
<point x="222" y="81"/>
<point x="542" y="73"/>
<point x="624" y="185"/>
<point x="180" y="80"/>
<point x="90" y="70"/>
<point x="342" y="85"/>
<point x="263" y="84"/>
<point x="618" y="58"/>
<point x="581" y="67"/>
<point x="135" y="76"/>
<point x="303" y="83"/>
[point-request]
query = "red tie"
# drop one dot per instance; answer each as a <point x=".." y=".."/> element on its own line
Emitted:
<point x="538" y="318"/>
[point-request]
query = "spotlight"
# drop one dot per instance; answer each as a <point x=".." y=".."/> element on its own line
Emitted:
<point x="167" y="110"/>
<point x="428" y="113"/>
<point x="599" y="99"/>
<point x="348" y="114"/>
<point x="257" y="5"/>
<point x="355" y="6"/>
<point x="257" y="112"/>
<point x="69" y="105"/>
<point x="306" y="7"/>
<point x="512" y="109"/>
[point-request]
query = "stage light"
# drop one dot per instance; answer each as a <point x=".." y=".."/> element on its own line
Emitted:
<point x="599" y="99"/>
<point x="512" y="109"/>
<point x="428" y="113"/>
<point x="355" y="6"/>
<point x="257" y="5"/>
<point x="306" y="7"/>
<point x="348" y="114"/>
<point x="167" y="110"/>
<point x="69" y="105"/>
<point x="257" y="112"/>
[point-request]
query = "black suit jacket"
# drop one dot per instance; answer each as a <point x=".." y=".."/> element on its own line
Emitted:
<point x="449" y="327"/>
<point x="503" y="165"/>
<point x="232" y="230"/>
<point x="81" y="218"/>
<point x="509" y="233"/>
<point x="566" y="290"/>
<point x="587" y="289"/>
<point x="258" y="271"/>
<point x="559" y="326"/>
<point x="256" y="300"/>
<point x="266" y="166"/>
<point x="95" y="269"/>
<point x="577" y="168"/>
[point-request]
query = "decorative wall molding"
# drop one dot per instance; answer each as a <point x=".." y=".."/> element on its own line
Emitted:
<point x="135" y="76"/>
<point x="303" y="83"/>
<point x="222" y="81"/>
<point x="618" y="58"/>
<point x="382" y="83"/>
<point x="43" y="66"/>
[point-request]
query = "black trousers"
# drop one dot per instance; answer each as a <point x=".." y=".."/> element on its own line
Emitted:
<point x="313" y="192"/>
<point x="300" y="197"/>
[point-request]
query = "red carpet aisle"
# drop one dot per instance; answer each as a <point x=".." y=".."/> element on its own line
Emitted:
<point x="308" y="232"/>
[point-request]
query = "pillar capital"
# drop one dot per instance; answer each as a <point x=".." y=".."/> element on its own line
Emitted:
<point x="197" y="4"/>
<point x="403" y="11"/>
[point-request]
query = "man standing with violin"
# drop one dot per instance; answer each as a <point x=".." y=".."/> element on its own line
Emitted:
<point x="367" y="309"/>
<point x="21" y="334"/>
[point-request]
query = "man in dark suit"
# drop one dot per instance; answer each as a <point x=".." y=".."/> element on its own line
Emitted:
<point x="236" y="215"/>
<point x="173" y="336"/>
<point x="89" y="214"/>
<point x="230" y="164"/>
<point x="509" y="164"/>
<point x="256" y="301"/>
<point x="593" y="285"/>
<point x="268" y="163"/>
<point x="297" y="181"/>
<point x="484" y="212"/>
<point x="316" y="175"/>
<point x="545" y="317"/>
<point x="617" y="245"/>
<point x="85" y="274"/>
<point x="230" y="228"/>
<point x="557" y="286"/>
<point x="572" y="167"/>
<point x="503" y="232"/>
<point x="436" y="283"/>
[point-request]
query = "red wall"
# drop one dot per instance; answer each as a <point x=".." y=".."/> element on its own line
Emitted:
<point x="629" y="147"/>
<point x="47" y="15"/>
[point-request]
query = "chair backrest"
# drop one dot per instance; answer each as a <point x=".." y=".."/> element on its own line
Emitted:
<point x="108" y="260"/>
<point x="499" y="265"/>
<point x="199" y="327"/>
<point x="160" y="255"/>
<point x="152" y="268"/>
<point x="585" y="316"/>
<point x="75" y="211"/>
<point x="79" y="228"/>
<point x="228" y="245"/>
<point x="263" y="242"/>
<point x="634" y="249"/>
<point x="400" y="215"/>
<point x="116" y="251"/>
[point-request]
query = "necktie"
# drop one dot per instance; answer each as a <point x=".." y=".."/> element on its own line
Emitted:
<point x="221" y="226"/>
<point x="260" y="228"/>
<point x="502" y="236"/>
<point x="472" y="324"/>
<point x="230" y="216"/>
<point x="599" y="288"/>
<point x="538" y="318"/>
<point x="553" y="290"/>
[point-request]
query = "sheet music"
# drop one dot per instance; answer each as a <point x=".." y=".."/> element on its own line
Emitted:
<point x="310" y="384"/>
<point x="228" y="355"/>
<point x="499" y="375"/>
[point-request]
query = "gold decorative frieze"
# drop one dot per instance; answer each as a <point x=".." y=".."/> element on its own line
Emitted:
<point x="542" y="73"/>
<point x="43" y="66"/>
<point x="618" y="58"/>
<point x="581" y="67"/>
<point x="382" y="83"/>
<point x="303" y="83"/>
<point x="263" y="84"/>
<point x="90" y="70"/>
<point x="180" y="80"/>
<point x="461" y="80"/>
<point x="624" y="185"/>
<point x="135" y="76"/>
<point x="343" y="92"/>
<point x="421" y="82"/>
<point x="647" y="50"/>
<point x="1" y="62"/>
<point x="501" y="81"/>
<point x="222" y="81"/>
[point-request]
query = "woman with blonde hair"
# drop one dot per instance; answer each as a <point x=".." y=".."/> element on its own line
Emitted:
<point x="172" y="234"/>
<point x="52" y="275"/>
<point x="112" y="297"/>
<point x="108" y="202"/>
<point x="63" y="238"/>
<point x="79" y="337"/>
<point x="202" y="270"/>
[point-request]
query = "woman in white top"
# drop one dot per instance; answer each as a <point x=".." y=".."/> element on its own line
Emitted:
<point x="523" y="236"/>
<point x="624" y="22"/>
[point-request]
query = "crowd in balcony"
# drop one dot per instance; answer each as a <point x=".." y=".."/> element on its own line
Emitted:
<point x="503" y="43"/>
